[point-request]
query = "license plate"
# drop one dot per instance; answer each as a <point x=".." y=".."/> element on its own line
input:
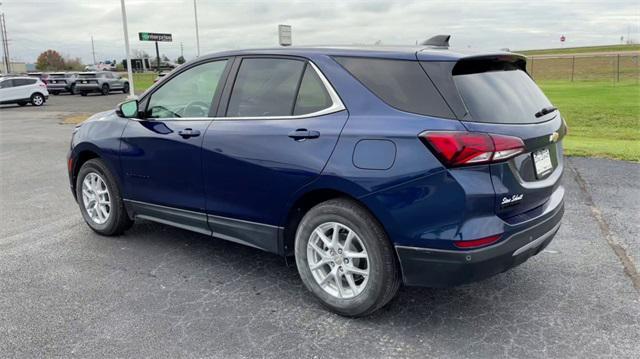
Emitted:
<point x="542" y="162"/>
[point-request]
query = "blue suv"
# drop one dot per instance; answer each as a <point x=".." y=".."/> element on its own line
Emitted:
<point x="371" y="166"/>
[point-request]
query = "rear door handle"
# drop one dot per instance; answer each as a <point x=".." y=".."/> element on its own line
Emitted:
<point x="303" y="134"/>
<point x="189" y="132"/>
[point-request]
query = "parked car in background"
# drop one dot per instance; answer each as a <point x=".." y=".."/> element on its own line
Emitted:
<point x="371" y="166"/>
<point x="43" y="76"/>
<point x="62" y="82"/>
<point x="102" y="82"/>
<point x="23" y="90"/>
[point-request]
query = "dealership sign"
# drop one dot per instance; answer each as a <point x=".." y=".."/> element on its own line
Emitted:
<point x="284" y="35"/>
<point x="152" y="36"/>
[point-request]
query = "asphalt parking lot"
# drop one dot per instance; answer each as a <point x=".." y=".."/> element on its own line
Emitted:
<point x="158" y="291"/>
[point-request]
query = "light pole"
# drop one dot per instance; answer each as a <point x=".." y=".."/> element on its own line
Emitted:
<point x="195" y="14"/>
<point x="126" y="44"/>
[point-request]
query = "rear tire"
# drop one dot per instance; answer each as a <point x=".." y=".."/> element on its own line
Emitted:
<point x="37" y="99"/>
<point x="113" y="218"/>
<point x="105" y="89"/>
<point x="372" y="253"/>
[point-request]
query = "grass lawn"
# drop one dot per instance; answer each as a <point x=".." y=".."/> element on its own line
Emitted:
<point x="603" y="118"/>
<point x="580" y="50"/>
<point x="143" y="81"/>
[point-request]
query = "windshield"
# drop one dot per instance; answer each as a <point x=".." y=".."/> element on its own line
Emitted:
<point x="502" y="97"/>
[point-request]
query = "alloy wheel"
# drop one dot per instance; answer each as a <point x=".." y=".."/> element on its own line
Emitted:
<point x="38" y="100"/>
<point x="96" y="198"/>
<point x="338" y="260"/>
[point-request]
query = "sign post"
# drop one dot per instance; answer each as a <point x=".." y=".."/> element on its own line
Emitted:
<point x="284" y="35"/>
<point x="126" y="44"/>
<point x="153" y="36"/>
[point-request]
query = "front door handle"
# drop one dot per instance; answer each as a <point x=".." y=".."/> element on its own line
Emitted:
<point x="303" y="134"/>
<point x="189" y="132"/>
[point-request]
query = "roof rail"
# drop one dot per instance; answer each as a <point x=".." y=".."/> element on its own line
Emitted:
<point x="438" y="40"/>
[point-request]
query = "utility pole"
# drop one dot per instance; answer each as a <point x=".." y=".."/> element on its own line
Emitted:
<point x="93" y="51"/>
<point x="126" y="44"/>
<point x="195" y="13"/>
<point x="5" y="44"/>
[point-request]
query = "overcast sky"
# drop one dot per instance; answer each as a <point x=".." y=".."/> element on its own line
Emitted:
<point x="67" y="25"/>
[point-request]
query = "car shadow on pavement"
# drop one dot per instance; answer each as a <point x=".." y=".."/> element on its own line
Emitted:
<point x="210" y="264"/>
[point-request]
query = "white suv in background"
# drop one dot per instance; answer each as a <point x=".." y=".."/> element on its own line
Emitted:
<point x="22" y="90"/>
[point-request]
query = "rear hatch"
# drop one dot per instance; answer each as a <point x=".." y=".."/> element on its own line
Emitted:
<point x="87" y="78"/>
<point x="494" y="94"/>
<point x="58" y="78"/>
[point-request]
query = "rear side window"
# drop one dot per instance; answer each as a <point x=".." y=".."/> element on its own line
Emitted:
<point x="265" y="87"/>
<point x="24" y="82"/>
<point x="503" y="96"/>
<point x="312" y="95"/>
<point x="401" y="84"/>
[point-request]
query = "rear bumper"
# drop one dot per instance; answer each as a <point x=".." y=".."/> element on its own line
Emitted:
<point x="57" y="87"/>
<point x="446" y="268"/>
<point x="87" y="87"/>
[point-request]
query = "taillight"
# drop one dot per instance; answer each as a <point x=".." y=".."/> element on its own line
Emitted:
<point x="477" y="243"/>
<point x="458" y="148"/>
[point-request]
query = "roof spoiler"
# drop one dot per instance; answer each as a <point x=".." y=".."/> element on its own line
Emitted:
<point x="438" y="40"/>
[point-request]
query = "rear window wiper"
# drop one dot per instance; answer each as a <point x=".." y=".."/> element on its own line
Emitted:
<point x="545" y="111"/>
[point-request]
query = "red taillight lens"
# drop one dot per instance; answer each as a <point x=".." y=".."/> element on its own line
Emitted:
<point x="457" y="148"/>
<point x="477" y="243"/>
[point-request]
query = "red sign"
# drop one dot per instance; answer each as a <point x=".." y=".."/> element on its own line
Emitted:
<point x="562" y="38"/>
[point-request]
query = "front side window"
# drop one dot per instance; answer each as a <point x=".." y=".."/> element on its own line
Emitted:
<point x="265" y="87"/>
<point x="189" y="94"/>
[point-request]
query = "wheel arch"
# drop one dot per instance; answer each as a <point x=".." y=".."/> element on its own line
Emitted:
<point x="307" y="200"/>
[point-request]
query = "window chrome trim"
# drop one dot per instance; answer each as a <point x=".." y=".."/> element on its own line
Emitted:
<point x="336" y="103"/>
<point x="336" y="106"/>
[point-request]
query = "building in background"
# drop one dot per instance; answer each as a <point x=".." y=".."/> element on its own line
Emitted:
<point x="16" y="67"/>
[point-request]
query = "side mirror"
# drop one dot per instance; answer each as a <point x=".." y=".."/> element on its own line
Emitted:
<point x="127" y="109"/>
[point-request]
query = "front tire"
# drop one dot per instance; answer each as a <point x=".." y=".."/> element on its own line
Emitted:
<point x="37" y="99"/>
<point x="344" y="257"/>
<point x="100" y="200"/>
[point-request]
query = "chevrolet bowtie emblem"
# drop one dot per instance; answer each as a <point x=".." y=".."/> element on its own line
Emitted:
<point x="554" y="137"/>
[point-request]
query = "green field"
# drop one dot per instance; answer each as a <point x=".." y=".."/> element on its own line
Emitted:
<point x="603" y="118"/>
<point x="580" y="50"/>
<point x="143" y="81"/>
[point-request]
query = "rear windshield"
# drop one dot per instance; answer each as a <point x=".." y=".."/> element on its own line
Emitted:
<point x="508" y="96"/>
